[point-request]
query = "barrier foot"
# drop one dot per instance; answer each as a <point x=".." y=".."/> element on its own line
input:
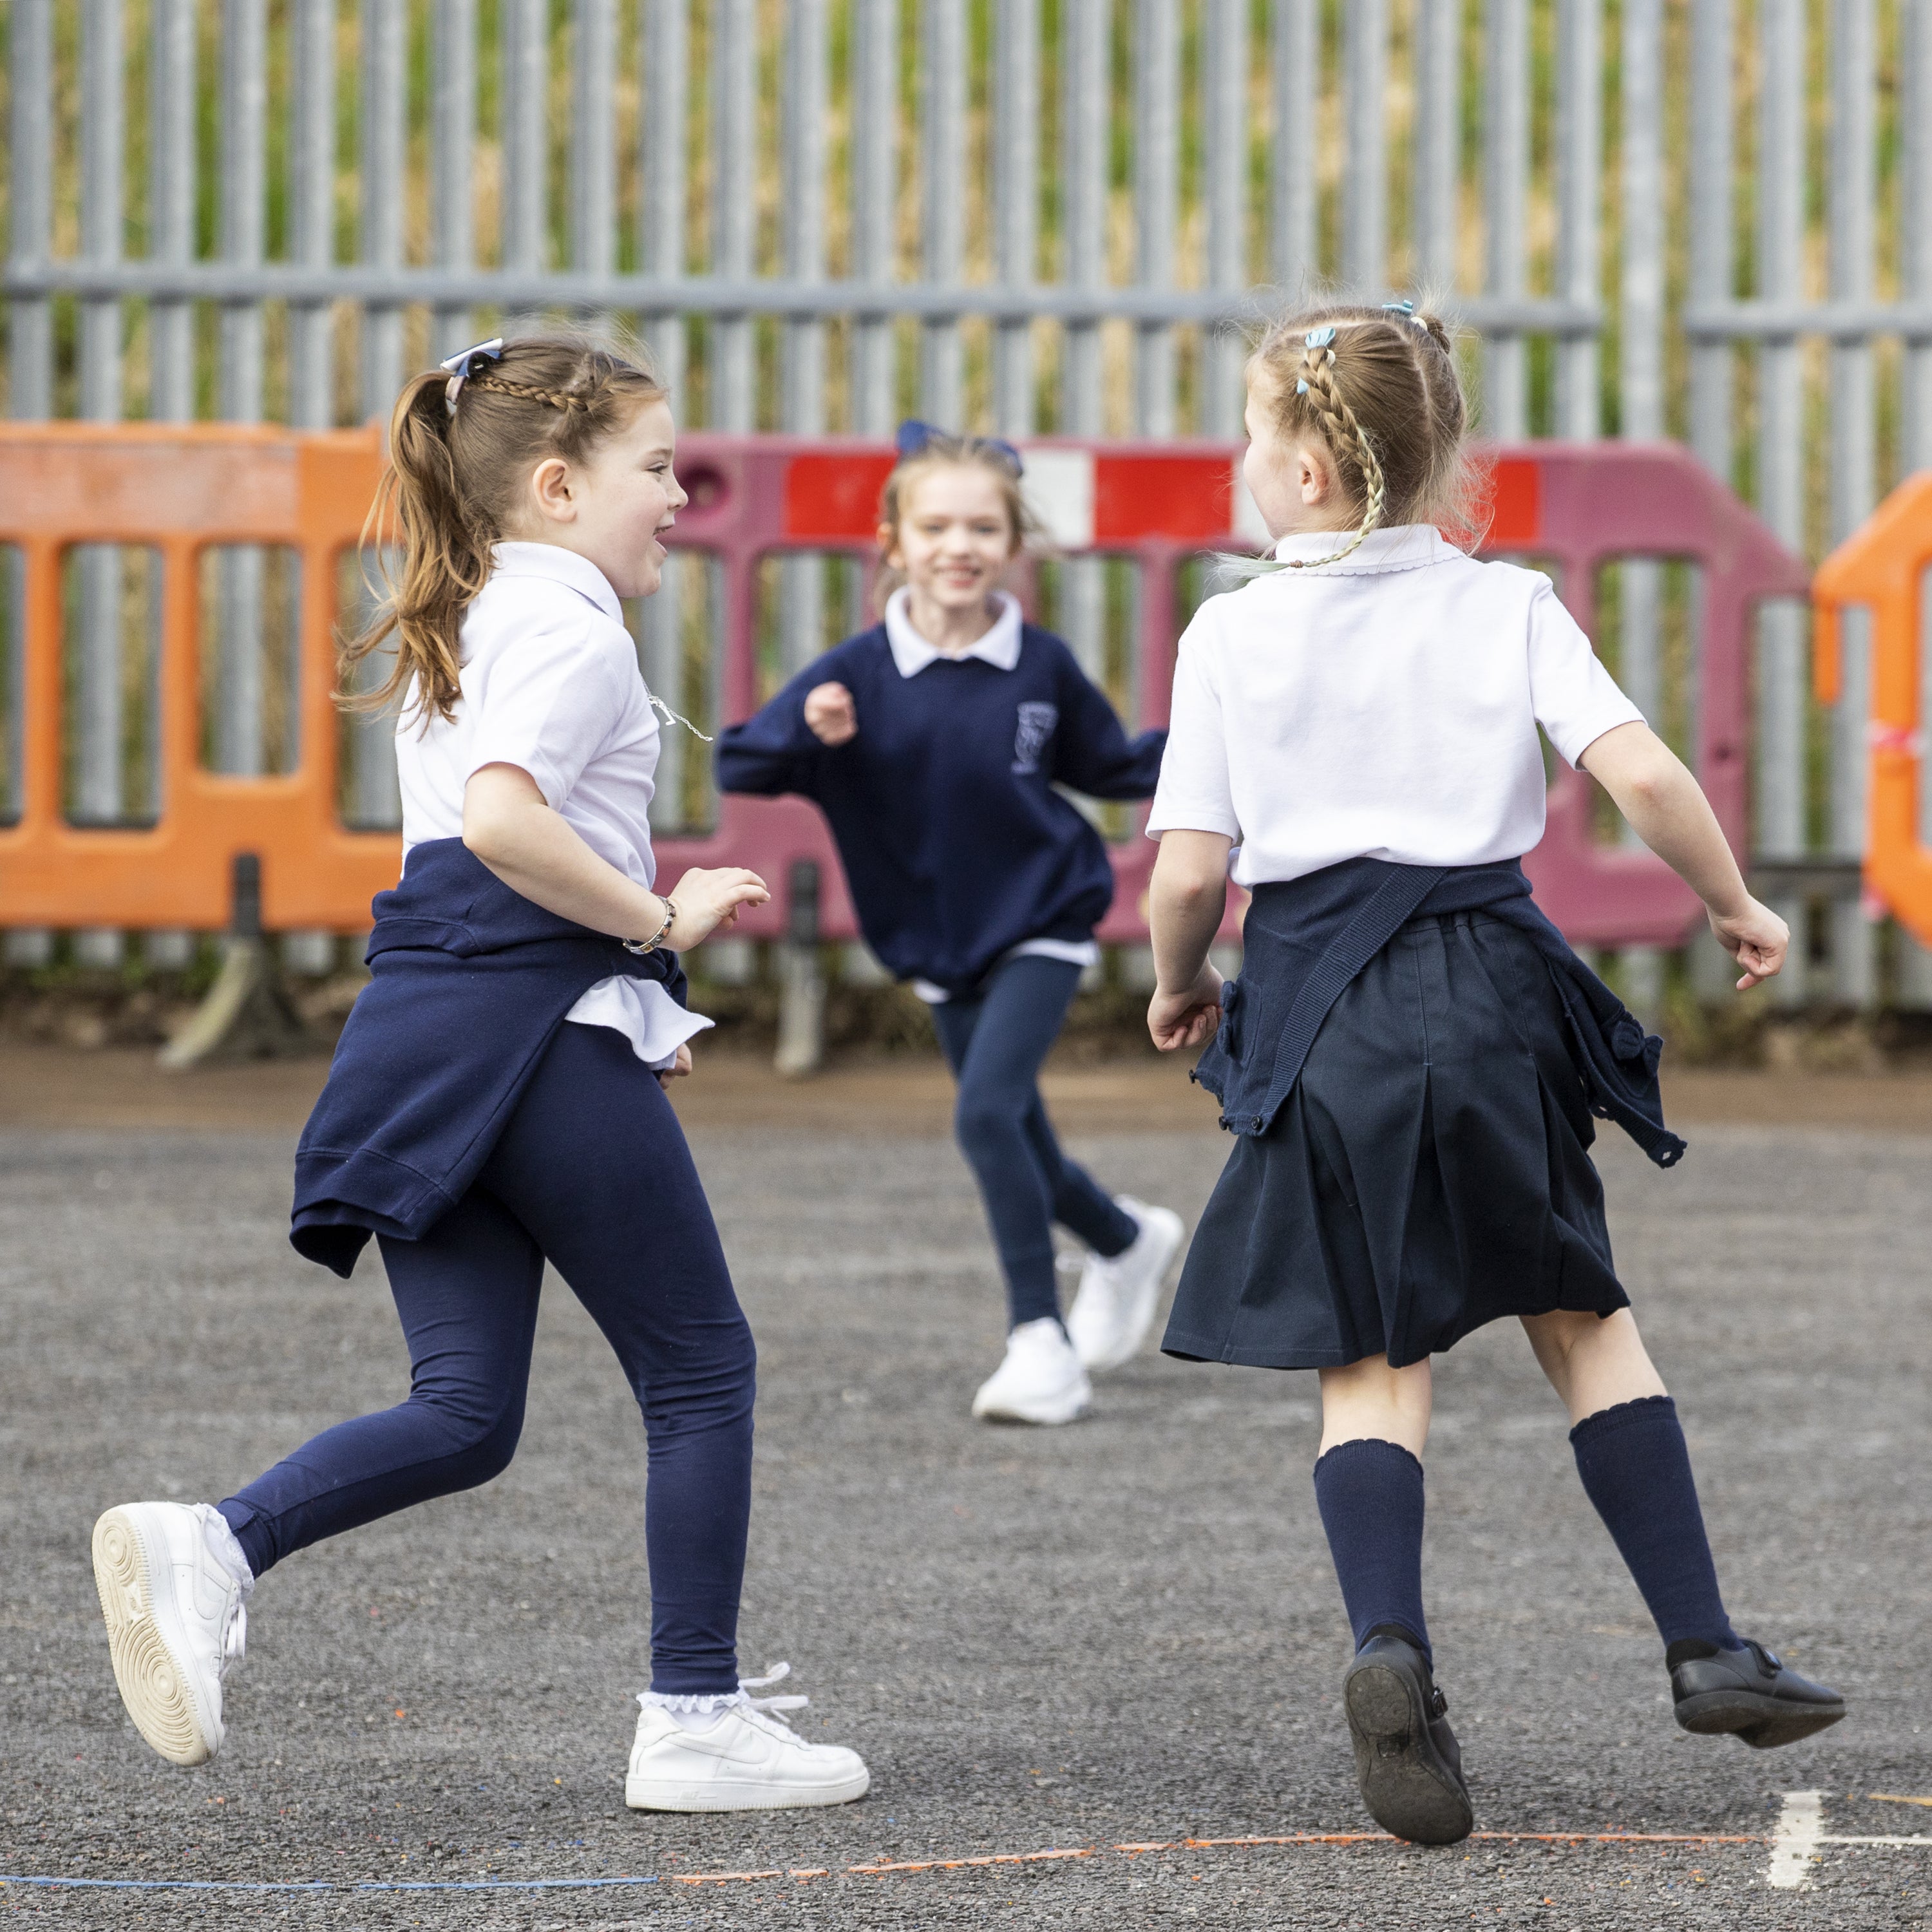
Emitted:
<point x="801" y="980"/>
<point x="246" y="1014"/>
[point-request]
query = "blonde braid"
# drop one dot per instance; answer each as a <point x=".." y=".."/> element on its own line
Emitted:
<point x="1341" y="428"/>
<point x="556" y="399"/>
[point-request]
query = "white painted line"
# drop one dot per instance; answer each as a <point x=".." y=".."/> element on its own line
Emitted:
<point x="1925" y="1843"/>
<point x="1794" y="1845"/>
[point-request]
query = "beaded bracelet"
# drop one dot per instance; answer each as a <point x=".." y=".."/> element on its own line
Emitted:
<point x="656" y="939"/>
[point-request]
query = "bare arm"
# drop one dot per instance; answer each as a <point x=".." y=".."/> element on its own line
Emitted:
<point x="1185" y="902"/>
<point x="1668" y="811"/>
<point x="535" y="851"/>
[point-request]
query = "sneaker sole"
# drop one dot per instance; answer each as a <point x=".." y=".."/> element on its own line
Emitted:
<point x="152" y="1684"/>
<point x="1054" y="1418"/>
<point x="1763" y="1722"/>
<point x="1408" y="1791"/>
<point x="1124" y="1351"/>
<point x="712" y="1797"/>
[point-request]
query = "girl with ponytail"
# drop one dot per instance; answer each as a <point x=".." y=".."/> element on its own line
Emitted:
<point x="1411" y="1057"/>
<point x="497" y="1098"/>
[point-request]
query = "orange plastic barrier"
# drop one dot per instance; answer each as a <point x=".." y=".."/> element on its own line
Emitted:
<point x="1883" y="566"/>
<point x="179" y="489"/>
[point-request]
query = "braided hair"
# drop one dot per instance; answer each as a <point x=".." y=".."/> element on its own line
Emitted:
<point x="460" y="455"/>
<point x="1378" y="386"/>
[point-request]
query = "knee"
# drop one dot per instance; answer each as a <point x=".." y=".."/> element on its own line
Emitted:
<point x="481" y="1438"/>
<point x="712" y="1383"/>
<point x="984" y="1121"/>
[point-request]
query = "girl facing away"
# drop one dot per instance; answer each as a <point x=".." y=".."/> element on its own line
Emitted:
<point x="497" y="1098"/>
<point x="1411" y="1055"/>
<point x="934" y="743"/>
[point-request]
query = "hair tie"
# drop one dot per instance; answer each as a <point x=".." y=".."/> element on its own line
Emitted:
<point x="914" y="437"/>
<point x="469" y="363"/>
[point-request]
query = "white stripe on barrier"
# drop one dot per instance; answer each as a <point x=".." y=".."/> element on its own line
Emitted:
<point x="1059" y="485"/>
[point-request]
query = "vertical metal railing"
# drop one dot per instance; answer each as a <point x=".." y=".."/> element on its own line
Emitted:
<point x="881" y="161"/>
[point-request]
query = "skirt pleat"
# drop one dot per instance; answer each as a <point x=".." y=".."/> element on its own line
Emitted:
<point x="1430" y="1172"/>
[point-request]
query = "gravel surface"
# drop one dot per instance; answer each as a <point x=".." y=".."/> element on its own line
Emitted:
<point x="1123" y="1633"/>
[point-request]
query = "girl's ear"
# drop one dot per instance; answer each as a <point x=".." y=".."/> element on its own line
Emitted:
<point x="551" y="492"/>
<point x="1314" y="478"/>
<point x="888" y="547"/>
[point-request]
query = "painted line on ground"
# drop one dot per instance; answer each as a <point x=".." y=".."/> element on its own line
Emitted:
<point x="1795" y="1846"/>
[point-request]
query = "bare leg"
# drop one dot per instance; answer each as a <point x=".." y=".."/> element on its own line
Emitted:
<point x="1593" y="1363"/>
<point x="1369" y="1401"/>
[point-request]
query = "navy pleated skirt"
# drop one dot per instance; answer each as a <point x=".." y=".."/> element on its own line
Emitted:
<point x="1428" y="1172"/>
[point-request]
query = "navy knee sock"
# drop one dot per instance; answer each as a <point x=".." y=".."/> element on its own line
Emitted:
<point x="1637" y="1470"/>
<point x="1369" y="1494"/>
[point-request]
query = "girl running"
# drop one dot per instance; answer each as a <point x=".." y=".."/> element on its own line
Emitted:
<point x="934" y="743"/>
<point x="497" y="1098"/>
<point x="1411" y="1055"/>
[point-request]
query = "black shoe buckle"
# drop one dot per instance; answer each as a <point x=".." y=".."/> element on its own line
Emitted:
<point x="1438" y="1704"/>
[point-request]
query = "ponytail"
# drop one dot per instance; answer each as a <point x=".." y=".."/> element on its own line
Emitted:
<point x="457" y="466"/>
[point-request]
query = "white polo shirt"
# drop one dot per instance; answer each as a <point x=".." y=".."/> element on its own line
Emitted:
<point x="550" y="684"/>
<point x="1383" y="707"/>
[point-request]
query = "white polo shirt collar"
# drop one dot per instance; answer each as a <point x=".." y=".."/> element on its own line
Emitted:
<point x="911" y="653"/>
<point x="555" y="565"/>
<point x="1401" y="547"/>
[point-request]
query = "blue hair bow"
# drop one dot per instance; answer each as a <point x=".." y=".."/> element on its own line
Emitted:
<point x="914" y="435"/>
<point x="469" y="364"/>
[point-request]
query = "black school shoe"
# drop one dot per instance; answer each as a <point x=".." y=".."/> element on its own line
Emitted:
<point x="1407" y="1761"/>
<point x="1748" y="1693"/>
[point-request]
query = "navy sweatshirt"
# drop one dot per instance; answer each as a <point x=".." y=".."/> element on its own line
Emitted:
<point x="470" y="982"/>
<point x="956" y="847"/>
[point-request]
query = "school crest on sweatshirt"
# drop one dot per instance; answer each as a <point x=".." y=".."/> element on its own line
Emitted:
<point x="1030" y="739"/>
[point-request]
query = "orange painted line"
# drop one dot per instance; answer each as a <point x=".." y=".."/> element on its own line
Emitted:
<point x="728" y="1878"/>
<point x="958" y="1865"/>
<point x="1894" y="1797"/>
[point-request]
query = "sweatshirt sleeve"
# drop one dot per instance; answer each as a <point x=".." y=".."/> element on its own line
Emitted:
<point x="1093" y="753"/>
<point x="773" y="751"/>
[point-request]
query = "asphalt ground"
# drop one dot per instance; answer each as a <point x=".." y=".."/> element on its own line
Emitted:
<point x="1122" y="1633"/>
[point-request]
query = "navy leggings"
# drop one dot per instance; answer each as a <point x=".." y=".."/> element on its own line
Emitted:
<point x="592" y="1172"/>
<point x="995" y="1042"/>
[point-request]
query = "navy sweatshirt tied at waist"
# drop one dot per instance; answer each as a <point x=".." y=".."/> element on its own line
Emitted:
<point x="470" y="983"/>
<point x="1305" y="939"/>
<point x="957" y="845"/>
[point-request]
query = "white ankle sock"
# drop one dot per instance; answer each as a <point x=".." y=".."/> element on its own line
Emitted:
<point x="698" y="1720"/>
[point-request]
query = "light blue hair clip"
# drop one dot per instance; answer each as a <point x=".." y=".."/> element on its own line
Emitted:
<point x="462" y="366"/>
<point x="1315" y="338"/>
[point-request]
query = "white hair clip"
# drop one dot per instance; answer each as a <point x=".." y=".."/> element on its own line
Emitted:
<point x="468" y="364"/>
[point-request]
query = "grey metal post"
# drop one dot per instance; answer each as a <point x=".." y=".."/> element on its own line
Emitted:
<point x="1365" y="176"/>
<point x="1016" y="51"/>
<point x="1224" y="123"/>
<point x="1156" y="200"/>
<point x="1506" y="171"/>
<point x="171" y="177"/>
<point x="1438" y="145"/>
<point x="452" y="163"/>
<point x="239" y="747"/>
<point x="875" y="122"/>
<point x="1781" y="682"/>
<point x="806" y="83"/>
<point x="312" y="209"/>
<point x="1852" y="196"/>
<point x="593" y="137"/>
<point x="667" y="76"/>
<point x="385" y="157"/>
<point x="943" y="99"/>
<point x="734" y="52"/>
<point x="1914" y="118"/>
<point x="30" y="60"/>
<point x="1083" y="116"/>
<point x="1640" y="383"/>
<point x="1579" y="170"/>
<point x="525" y="122"/>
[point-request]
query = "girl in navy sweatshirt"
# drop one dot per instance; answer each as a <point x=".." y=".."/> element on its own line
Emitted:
<point x="1412" y="1056"/>
<point x="934" y="743"/>
<point x="496" y="1100"/>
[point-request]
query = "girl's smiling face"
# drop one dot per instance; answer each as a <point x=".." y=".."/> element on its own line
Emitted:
<point x="954" y="538"/>
<point x="613" y="508"/>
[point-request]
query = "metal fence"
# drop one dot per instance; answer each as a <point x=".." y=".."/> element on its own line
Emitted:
<point x="1705" y="218"/>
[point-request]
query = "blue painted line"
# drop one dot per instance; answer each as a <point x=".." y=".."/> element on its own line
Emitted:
<point x="321" y="1884"/>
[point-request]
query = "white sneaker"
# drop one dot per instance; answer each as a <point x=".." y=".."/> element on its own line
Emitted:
<point x="747" y="1759"/>
<point x="176" y="1619"/>
<point x="1115" y="1308"/>
<point x="1041" y="1380"/>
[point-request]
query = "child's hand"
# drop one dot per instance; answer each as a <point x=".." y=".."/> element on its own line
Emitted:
<point x="1187" y="1018"/>
<point x="678" y="1067"/>
<point x="707" y="900"/>
<point x="830" y="714"/>
<point x="1756" y="938"/>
